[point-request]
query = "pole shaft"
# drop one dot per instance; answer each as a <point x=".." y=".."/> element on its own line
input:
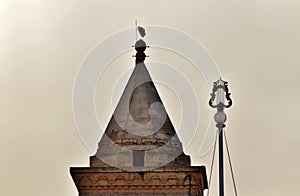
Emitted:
<point x="221" y="163"/>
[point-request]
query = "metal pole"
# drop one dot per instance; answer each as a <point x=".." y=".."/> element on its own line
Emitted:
<point x="221" y="163"/>
<point x="220" y="91"/>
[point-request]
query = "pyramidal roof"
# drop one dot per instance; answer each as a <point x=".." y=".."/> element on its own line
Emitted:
<point x="140" y="133"/>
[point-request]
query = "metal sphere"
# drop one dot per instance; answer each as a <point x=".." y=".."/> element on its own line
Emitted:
<point x="220" y="117"/>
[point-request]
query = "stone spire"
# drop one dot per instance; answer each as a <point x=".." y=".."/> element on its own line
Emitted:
<point x="140" y="153"/>
<point x="140" y="132"/>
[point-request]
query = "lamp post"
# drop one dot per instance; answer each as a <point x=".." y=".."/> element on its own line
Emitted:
<point x="219" y="94"/>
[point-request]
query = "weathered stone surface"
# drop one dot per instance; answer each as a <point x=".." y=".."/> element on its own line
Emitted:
<point x="140" y="122"/>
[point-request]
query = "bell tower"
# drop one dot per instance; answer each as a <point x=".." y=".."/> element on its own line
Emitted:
<point x="140" y="152"/>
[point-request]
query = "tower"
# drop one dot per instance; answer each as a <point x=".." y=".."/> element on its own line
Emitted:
<point x="140" y="152"/>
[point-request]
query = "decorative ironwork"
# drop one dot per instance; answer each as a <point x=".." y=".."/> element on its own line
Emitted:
<point x="220" y="84"/>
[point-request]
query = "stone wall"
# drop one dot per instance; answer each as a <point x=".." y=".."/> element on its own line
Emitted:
<point x="161" y="181"/>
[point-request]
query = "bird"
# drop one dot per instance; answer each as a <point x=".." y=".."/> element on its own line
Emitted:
<point x="141" y="31"/>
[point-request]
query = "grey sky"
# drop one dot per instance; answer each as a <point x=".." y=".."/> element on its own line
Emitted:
<point x="254" y="43"/>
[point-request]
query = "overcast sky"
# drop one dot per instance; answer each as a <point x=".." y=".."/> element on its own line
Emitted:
<point x="255" y="44"/>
